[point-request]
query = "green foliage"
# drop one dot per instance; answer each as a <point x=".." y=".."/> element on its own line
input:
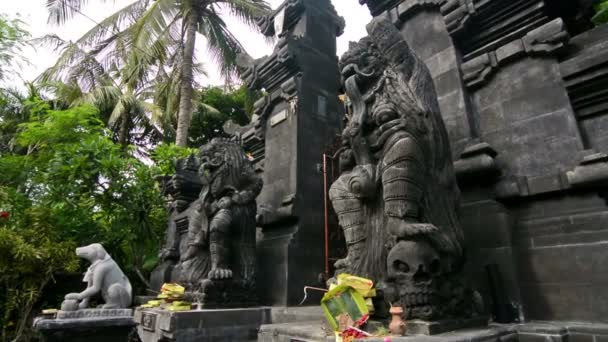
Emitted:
<point x="12" y="39"/>
<point x="165" y="156"/>
<point x="601" y="16"/>
<point x="48" y="127"/>
<point x="216" y="106"/>
<point x="141" y="49"/>
<point x="30" y="254"/>
<point x="117" y="84"/>
<point x="11" y="114"/>
<point x="70" y="185"/>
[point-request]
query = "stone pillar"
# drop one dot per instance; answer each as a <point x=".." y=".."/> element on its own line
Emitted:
<point x="292" y="127"/>
<point x="92" y="325"/>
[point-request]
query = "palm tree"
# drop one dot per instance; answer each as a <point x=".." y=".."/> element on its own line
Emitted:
<point x="13" y="38"/>
<point x="187" y="17"/>
<point x="115" y="85"/>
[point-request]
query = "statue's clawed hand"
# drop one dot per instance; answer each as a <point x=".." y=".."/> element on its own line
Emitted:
<point x="83" y="305"/>
<point x="220" y="273"/>
<point x="342" y="263"/>
<point x="224" y="202"/>
<point x="404" y="228"/>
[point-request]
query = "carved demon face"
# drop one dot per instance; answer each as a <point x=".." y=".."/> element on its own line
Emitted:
<point x="362" y="58"/>
<point x="415" y="267"/>
<point x="212" y="156"/>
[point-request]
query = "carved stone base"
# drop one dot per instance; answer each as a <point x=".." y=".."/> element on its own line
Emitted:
<point x="94" y="313"/>
<point x="420" y="327"/>
<point x="223" y="294"/>
<point x="86" y="329"/>
<point x="317" y="331"/>
<point x="216" y="325"/>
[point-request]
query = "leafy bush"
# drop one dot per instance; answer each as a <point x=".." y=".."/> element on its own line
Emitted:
<point x="12" y="39"/>
<point x="216" y="106"/>
<point x="601" y="16"/>
<point x="165" y="156"/>
<point x="68" y="185"/>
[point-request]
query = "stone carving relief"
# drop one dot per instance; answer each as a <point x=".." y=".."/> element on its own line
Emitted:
<point x="542" y="41"/>
<point x="458" y="14"/>
<point x="397" y="197"/>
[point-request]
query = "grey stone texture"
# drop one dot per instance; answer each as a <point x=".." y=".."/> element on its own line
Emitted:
<point x="217" y="325"/>
<point x="313" y="331"/>
<point x="423" y="27"/>
<point x="98" y="329"/>
<point x="94" y="313"/>
<point x="221" y="325"/>
<point x="293" y="126"/>
<point x="529" y="332"/>
<point x="418" y="327"/>
<point x="396" y="196"/>
<point x="210" y="242"/>
<point x="523" y="95"/>
<point x="586" y="78"/>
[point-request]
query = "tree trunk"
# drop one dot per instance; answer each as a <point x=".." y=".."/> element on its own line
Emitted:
<point x="185" y="101"/>
<point x="123" y="135"/>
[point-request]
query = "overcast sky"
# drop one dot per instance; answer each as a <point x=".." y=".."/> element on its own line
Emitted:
<point x="34" y="14"/>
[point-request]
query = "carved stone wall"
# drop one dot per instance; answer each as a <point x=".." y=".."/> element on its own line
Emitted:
<point x="423" y="26"/>
<point x="523" y="94"/>
<point x="585" y="73"/>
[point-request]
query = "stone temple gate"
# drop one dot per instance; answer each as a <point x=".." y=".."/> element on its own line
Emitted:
<point x="514" y="97"/>
<point x="521" y="88"/>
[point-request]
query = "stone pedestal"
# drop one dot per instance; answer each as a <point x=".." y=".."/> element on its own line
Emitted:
<point x="89" y="329"/>
<point x="529" y="332"/>
<point x="216" y="325"/>
<point x="313" y="331"/>
<point x="317" y="330"/>
<point x="420" y="327"/>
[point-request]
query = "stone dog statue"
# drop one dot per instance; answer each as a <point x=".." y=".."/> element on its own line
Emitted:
<point x="103" y="276"/>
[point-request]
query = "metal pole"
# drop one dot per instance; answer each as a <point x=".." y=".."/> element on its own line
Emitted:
<point x="325" y="214"/>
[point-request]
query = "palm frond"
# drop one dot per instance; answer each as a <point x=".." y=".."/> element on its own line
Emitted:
<point x="157" y="116"/>
<point x="113" y="24"/>
<point x="212" y="111"/>
<point x="61" y="11"/>
<point x="104" y="96"/>
<point x="117" y="113"/>
<point x="69" y="56"/>
<point x="221" y="43"/>
<point x="52" y="41"/>
<point x="154" y="22"/>
<point x="246" y="11"/>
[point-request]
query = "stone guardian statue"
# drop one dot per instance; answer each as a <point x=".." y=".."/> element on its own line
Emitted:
<point x="213" y="241"/>
<point x="397" y="197"/>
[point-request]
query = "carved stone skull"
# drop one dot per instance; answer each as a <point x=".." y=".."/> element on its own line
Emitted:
<point x="415" y="266"/>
